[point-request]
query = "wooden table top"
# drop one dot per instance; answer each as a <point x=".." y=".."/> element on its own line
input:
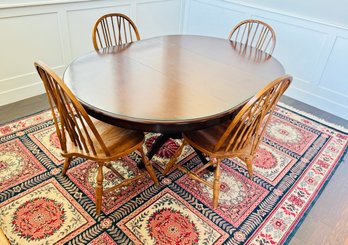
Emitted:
<point x="169" y="83"/>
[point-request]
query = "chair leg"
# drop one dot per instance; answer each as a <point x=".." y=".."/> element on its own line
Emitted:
<point x="99" y="189"/>
<point x="66" y="165"/>
<point x="149" y="166"/>
<point x="216" y="184"/>
<point x="248" y="162"/>
<point x="174" y="158"/>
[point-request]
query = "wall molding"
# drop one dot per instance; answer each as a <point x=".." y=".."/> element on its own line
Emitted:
<point x="305" y="46"/>
<point x="21" y="93"/>
<point x="58" y="39"/>
<point x="287" y="14"/>
<point x="21" y="4"/>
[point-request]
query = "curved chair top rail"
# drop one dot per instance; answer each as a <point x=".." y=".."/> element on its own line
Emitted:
<point x="114" y="29"/>
<point x="254" y="33"/>
<point x="246" y="126"/>
<point x="73" y="121"/>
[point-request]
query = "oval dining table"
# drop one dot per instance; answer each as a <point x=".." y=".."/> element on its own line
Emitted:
<point x="170" y="84"/>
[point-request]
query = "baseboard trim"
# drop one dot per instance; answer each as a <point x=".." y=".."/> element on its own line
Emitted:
<point x="317" y="101"/>
<point x="21" y="93"/>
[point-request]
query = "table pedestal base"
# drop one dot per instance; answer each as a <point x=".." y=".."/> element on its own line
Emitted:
<point x="161" y="140"/>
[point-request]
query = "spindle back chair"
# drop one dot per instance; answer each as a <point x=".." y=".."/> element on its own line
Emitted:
<point x="254" y="33"/>
<point x="238" y="137"/>
<point x="3" y="238"/>
<point x="114" y="29"/>
<point x="81" y="136"/>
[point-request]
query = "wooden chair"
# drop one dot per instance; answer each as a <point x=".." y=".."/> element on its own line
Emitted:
<point x="254" y="33"/>
<point x="82" y="136"/>
<point x="3" y="238"/>
<point x="114" y="29"/>
<point x="238" y="137"/>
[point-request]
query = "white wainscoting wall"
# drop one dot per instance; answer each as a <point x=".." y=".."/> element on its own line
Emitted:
<point x="314" y="50"/>
<point x="57" y="31"/>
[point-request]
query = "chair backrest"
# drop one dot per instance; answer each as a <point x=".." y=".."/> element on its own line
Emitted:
<point x="254" y="33"/>
<point x="73" y="121"/>
<point x="250" y="53"/>
<point x="114" y="29"/>
<point x="248" y="125"/>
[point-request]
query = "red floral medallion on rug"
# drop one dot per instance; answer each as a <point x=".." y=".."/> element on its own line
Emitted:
<point x="296" y="158"/>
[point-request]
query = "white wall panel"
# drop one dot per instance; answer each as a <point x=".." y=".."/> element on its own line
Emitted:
<point x="297" y="47"/>
<point x="331" y="12"/>
<point x="335" y="75"/>
<point x="58" y="31"/>
<point x="19" y="49"/>
<point x="24" y="39"/>
<point x="158" y="18"/>
<point x="312" y="39"/>
<point x="306" y="47"/>
<point x="211" y="20"/>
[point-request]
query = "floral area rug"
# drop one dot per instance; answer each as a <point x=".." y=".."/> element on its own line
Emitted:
<point x="297" y="157"/>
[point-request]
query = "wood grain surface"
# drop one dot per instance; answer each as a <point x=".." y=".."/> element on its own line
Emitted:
<point x="181" y="81"/>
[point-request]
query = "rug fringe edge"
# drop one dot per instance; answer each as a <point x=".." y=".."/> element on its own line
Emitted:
<point x="314" y="117"/>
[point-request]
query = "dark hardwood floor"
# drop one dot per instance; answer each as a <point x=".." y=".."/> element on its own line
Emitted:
<point x="327" y="221"/>
<point x="23" y="108"/>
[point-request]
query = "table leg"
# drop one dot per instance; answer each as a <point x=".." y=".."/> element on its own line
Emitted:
<point x="201" y="156"/>
<point x="204" y="160"/>
<point x="157" y="144"/>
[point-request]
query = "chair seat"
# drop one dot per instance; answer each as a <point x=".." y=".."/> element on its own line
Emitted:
<point x="118" y="140"/>
<point x="205" y="140"/>
<point x="238" y="137"/>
